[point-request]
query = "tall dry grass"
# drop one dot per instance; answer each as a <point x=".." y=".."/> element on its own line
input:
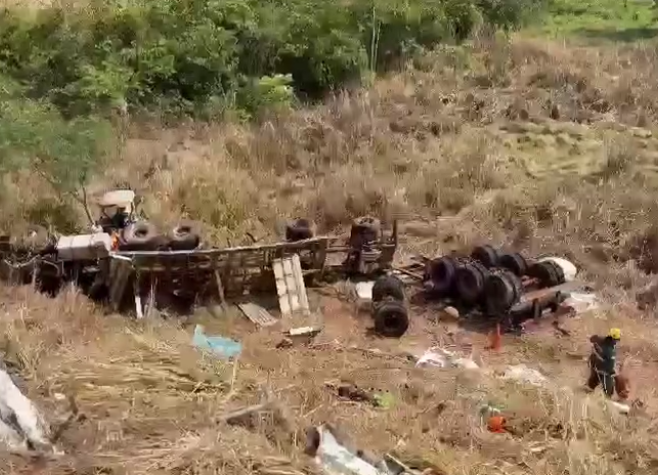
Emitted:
<point x="527" y="143"/>
<point x="532" y="145"/>
<point x="149" y="403"/>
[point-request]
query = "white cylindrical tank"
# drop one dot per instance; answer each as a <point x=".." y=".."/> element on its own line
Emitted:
<point x="568" y="268"/>
<point x="84" y="247"/>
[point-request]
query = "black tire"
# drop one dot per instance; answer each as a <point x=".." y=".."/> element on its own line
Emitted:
<point x="502" y="290"/>
<point x="514" y="262"/>
<point x="441" y="273"/>
<point x="299" y="229"/>
<point x="388" y="287"/>
<point x="185" y="236"/>
<point x="364" y="230"/>
<point x="486" y="255"/>
<point x="547" y="273"/>
<point x="140" y="236"/>
<point x="561" y="279"/>
<point x="391" y="319"/>
<point x="469" y="282"/>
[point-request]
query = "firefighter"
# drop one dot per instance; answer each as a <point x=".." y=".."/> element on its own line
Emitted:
<point x="602" y="361"/>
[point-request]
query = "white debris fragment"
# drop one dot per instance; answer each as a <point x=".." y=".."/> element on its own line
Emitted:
<point x="20" y="421"/>
<point x="336" y="459"/>
<point x="582" y="302"/>
<point x="442" y="358"/>
<point x="364" y="290"/>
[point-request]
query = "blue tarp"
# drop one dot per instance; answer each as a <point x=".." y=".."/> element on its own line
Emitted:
<point x="218" y="345"/>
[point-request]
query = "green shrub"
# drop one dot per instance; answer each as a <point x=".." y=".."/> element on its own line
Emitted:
<point x="191" y="55"/>
<point x="510" y="14"/>
<point x="34" y="135"/>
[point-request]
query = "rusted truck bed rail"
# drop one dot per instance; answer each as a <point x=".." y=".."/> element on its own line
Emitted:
<point x="229" y="272"/>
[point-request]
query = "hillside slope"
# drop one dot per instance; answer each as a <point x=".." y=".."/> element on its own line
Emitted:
<point x="540" y="146"/>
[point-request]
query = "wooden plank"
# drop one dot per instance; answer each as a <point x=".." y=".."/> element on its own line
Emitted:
<point x="281" y="288"/>
<point x="290" y="282"/>
<point x="299" y="285"/>
<point x="257" y="314"/>
<point x="291" y="291"/>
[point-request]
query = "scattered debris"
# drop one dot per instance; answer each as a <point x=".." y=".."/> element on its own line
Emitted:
<point x="524" y="374"/>
<point x="218" y="345"/>
<point x="364" y="290"/>
<point x="303" y="331"/>
<point x="352" y="392"/>
<point x="442" y="358"/>
<point x="394" y="466"/>
<point x="582" y="302"/>
<point x="334" y="457"/>
<point x="257" y="314"/>
<point x="285" y="343"/>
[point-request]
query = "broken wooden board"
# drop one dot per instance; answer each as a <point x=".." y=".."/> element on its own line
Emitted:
<point x="291" y="290"/>
<point x="257" y="314"/>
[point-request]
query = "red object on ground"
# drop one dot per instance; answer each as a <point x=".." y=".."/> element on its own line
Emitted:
<point x="496" y="424"/>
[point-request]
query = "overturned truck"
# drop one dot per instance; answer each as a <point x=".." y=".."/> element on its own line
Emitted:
<point x="126" y="263"/>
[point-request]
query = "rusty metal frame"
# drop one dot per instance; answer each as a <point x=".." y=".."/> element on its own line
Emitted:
<point x="224" y="273"/>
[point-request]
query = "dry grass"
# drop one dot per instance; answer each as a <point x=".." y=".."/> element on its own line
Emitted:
<point x="533" y="145"/>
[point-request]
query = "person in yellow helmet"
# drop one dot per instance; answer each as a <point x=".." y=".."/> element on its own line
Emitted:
<point x="603" y="361"/>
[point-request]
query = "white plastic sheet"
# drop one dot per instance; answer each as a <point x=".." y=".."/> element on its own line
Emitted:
<point x="336" y="459"/>
<point x="20" y="421"/>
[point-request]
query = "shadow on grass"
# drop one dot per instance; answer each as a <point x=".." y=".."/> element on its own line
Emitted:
<point x="627" y="35"/>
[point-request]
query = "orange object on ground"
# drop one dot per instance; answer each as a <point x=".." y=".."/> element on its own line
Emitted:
<point x="496" y="424"/>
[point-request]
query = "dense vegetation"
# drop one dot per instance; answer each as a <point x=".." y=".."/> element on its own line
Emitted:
<point x="204" y="56"/>
<point x="61" y="65"/>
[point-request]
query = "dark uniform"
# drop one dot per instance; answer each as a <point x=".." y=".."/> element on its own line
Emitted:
<point x="602" y="364"/>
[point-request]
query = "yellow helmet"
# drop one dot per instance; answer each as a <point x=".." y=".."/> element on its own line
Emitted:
<point x="615" y="333"/>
